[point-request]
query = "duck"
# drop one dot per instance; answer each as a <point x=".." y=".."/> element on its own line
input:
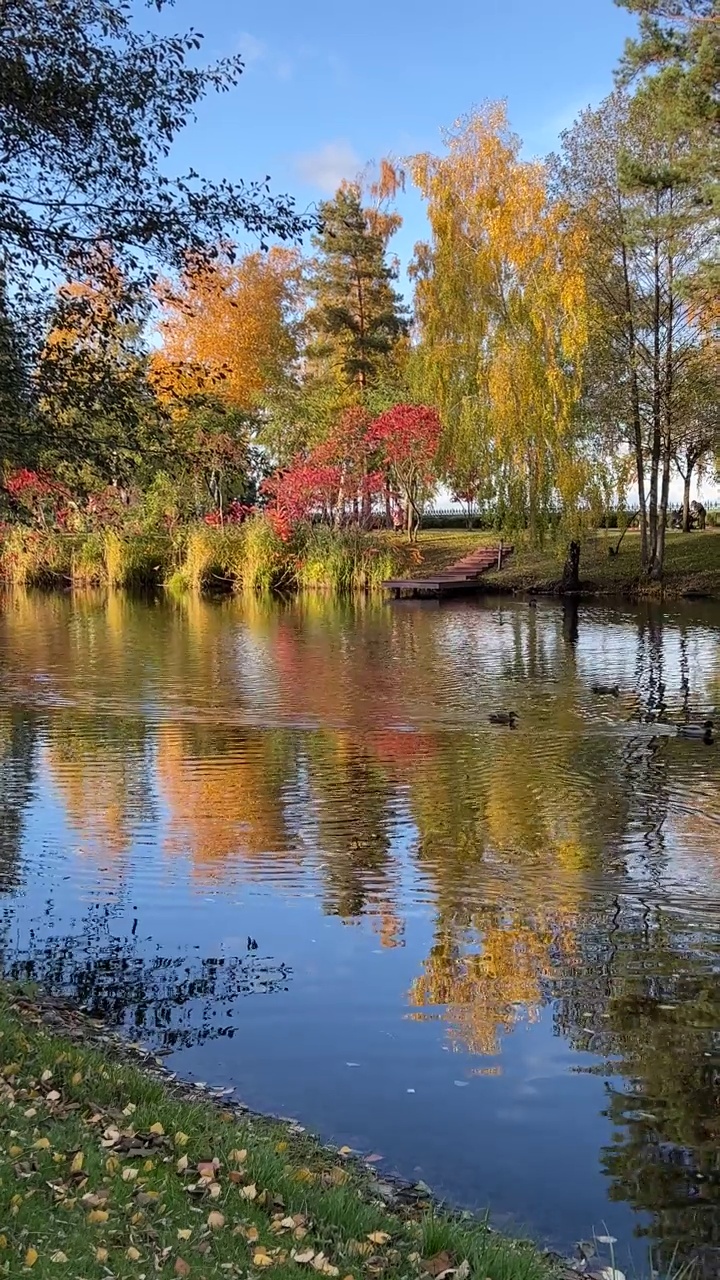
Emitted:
<point x="606" y="690"/>
<point x="699" y="732"/>
<point x="509" y="718"/>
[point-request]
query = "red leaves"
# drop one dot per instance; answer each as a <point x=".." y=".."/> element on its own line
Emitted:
<point x="236" y="513"/>
<point x="408" y="433"/>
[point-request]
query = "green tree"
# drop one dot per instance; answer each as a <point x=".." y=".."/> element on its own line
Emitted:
<point x="356" y="318"/>
<point x="89" y="109"/>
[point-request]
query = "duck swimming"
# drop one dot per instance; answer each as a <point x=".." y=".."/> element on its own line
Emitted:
<point x="606" y="690"/>
<point x="700" y="732"/>
<point x="504" y="717"/>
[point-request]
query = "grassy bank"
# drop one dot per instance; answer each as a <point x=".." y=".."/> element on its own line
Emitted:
<point x="106" y="1170"/>
<point x="692" y="567"/>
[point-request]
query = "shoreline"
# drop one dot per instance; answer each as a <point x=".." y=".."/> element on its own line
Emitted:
<point x="91" y="1068"/>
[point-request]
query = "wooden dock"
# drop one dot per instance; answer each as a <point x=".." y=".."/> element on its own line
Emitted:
<point x="461" y="578"/>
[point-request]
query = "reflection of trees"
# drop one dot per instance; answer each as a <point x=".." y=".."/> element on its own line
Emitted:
<point x="169" y="1001"/>
<point x="644" y="995"/>
<point x="225" y="791"/>
<point x="18" y="735"/>
<point x="101" y="767"/>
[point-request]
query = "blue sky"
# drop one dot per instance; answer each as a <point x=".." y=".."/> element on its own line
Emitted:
<point x="329" y="87"/>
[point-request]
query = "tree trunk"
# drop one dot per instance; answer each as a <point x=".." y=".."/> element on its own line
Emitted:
<point x="571" y="571"/>
<point x="655" y="563"/>
<point x="686" y="498"/>
<point x="636" y="418"/>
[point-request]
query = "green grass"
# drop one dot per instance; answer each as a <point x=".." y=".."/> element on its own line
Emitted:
<point x="107" y="1171"/>
<point x="692" y="566"/>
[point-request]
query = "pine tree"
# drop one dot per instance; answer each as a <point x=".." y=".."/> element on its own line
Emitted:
<point x="357" y="318"/>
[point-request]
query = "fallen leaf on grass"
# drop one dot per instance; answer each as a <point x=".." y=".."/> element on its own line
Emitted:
<point x="184" y="1233"/>
<point x="58" y="1256"/>
<point x="302" y="1255"/>
<point x="181" y="1139"/>
<point x="438" y="1265"/>
<point x="182" y="1164"/>
<point x="132" y="1253"/>
<point x="235" y="1176"/>
<point x="463" y="1271"/>
<point x="215" y="1220"/>
<point x="262" y="1259"/>
<point x="249" y="1193"/>
<point x="31" y="1257"/>
<point x="129" y="1175"/>
<point x="46" y="1075"/>
<point x="215" y="1190"/>
<point x="101" y="1255"/>
<point x="345" y="1151"/>
<point x="157" y="1128"/>
<point x="98" y="1215"/>
<point x="77" y="1077"/>
<point x="379" y="1237"/>
<point x="238" y="1156"/>
<point x="181" y="1268"/>
<point x="42" y="1144"/>
<point x="77" y="1162"/>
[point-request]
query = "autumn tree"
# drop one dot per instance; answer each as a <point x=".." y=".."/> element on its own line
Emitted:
<point x="406" y="438"/>
<point x="356" y="317"/>
<point x="99" y="416"/>
<point x="501" y="309"/>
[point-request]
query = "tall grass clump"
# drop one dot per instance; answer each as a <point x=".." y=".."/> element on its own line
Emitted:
<point x="88" y="560"/>
<point x="35" y="557"/>
<point x="343" y="560"/>
<point x="137" y="561"/>
<point x="267" y="562"/>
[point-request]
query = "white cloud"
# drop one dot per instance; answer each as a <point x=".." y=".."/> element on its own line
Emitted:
<point x="326" y="167"/>
<point x="251" y="49"/>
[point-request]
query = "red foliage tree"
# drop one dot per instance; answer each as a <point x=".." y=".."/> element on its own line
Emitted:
<point x="406" y="438"/>
<point x="42" y="498"/>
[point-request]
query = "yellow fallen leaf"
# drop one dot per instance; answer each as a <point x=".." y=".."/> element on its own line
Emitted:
<point x="215" y="1190"/>
<point x="215" y="1220"/>
<point x="148" y="1166"/>
<point x="249" y="1192"/>
<point x="101" y="1255"/>
<point x="3" y="1242"/>
<point x="46" y="1075"/>
<point x="98" y="1215"/>
<point x="252" y="1235"/>
<point x="42" y="1144"/>
<point x="261" y="1259"/>
<point x="288" y="1223"/>
<point x="129" y="1174"/>
<point x="15" y="1151"/>
<point x="238" y="1156"/>
<point x="112" y="1164"/>
<point x="182" y="1164"/>
<point x="280" y="1147"/>
<point x="77" y="1078"/>
<point x="302" y="1255"/>
<point x="31" y="1257"/>
<point x="130" y="1109"/>
<point x="184" y="1233"/>
<point x="181" y="1139"/>
<point x="379" y="1237"/>
<point x="58" y="1256"/>
<point x="77" y="1162"/>
<point x="157" y="1128"/>
<point x="132" y="1253"/>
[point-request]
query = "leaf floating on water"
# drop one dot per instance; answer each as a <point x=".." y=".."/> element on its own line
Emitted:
<point x="373" y="1159"/>
<point x="607" y="1239"/>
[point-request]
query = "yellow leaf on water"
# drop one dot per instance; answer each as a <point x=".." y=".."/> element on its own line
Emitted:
<point x="42" y="1144"/>
<point x="157" y="1128"/>
<point x="181" y="1139"/>
<point x="379" y="1237"/>
<point x="31" y="1257"/>
<point x="77" y="1162"/>
<point x="184" y="1233"/>
<point x="129" y="1174"/>
<point x="215" y="1220"/>
<point x="58" y="1256"/>
<point x="101" y="1255"/>
<point x="98" y="1215"/>
<point x="132" y="1253"/>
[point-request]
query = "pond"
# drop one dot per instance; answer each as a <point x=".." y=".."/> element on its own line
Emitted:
<point x="283" y="843"/>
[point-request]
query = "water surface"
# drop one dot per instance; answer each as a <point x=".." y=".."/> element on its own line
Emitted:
<point x="283" y="842"/>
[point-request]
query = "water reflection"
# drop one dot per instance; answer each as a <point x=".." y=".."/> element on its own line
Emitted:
<point x="176" y="779"/>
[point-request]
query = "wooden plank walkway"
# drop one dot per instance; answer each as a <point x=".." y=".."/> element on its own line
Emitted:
<point x="460" y="578"/>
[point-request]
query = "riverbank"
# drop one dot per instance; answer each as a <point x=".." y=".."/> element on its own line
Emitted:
<point x="692" y="564"/>
<point x="110" y="1167"/>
